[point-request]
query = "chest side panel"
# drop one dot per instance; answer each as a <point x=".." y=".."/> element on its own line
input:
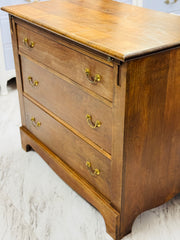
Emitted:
<point x="152" y="134"/>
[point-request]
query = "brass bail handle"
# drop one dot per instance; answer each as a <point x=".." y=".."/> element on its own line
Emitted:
<point x="93" y="80"/>
<point x="32" y="82"/>
<point x="28" y="44"/>
<point x="90" y="123"/>
<point x="35" y="123"/>
<point x="95" y="172"/>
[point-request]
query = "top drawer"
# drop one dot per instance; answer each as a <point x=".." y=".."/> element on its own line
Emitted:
<point x="85" y="70"/>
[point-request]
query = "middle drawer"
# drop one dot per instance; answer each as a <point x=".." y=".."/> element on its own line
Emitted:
<point x="88" y="115"/>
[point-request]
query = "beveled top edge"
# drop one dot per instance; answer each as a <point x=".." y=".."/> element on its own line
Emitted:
<point x="119" y="30"/>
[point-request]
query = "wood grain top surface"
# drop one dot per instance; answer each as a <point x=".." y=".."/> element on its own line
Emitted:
<point x="120" y="30"/>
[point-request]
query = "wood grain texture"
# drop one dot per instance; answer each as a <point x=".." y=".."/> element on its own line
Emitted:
<point x="152" y="135"/>
<point x="17" y="66"/>
<point x="69" y="147"/>
<point x="111" y="216"/>
<point x="65" y="124"/>
<point x="65" y="60"/>
<point x="118" y="135"/>
<point x="141" y="98"/>
<point x="69" y="103"/>
<point x="119" y="30"/>
<point x="101" y="57"/>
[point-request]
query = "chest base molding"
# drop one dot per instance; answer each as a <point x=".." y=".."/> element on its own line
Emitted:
<point x="76" y="182"/>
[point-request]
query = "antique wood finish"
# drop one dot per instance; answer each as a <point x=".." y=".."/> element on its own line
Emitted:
<point x="58" y="95"/>
<point x="66" y="61"/>
<point x="118" y="133"/>
<point x="111" y="216"/>
<point x="17" y="67"/>
<point x="137" y="148"/>
<point x="152" y="134"/>
<point x="117" y="29"/>
<point x="69" y="147"/>
<point x="106" y="154"/>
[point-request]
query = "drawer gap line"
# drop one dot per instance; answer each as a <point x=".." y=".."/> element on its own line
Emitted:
<point x="99" y="149"/>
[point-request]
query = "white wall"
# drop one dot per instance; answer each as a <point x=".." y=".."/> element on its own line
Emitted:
<point x="169" y="6"/>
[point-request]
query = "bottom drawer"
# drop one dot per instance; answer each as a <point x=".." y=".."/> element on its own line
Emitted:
<point x="78" y="154"/>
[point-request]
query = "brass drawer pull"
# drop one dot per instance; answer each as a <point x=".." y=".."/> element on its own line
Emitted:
<point x="27" y="44"/>
<point x="32" y="82"/>
<point x="35" y="123"/>
<point x="95" y="172"/>
<point x="91" y="79"/>
<point x="90" y="123"/>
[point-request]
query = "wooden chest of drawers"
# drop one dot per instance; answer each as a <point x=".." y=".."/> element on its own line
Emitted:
<point x="99" y="97"/>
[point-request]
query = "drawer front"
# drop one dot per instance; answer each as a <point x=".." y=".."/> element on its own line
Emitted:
<point x="67" y="61"/>
<point x="69" y="102"/>
<point x="69" y="147"/>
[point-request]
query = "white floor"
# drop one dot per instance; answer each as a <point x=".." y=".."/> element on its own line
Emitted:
<point x="35" y="204"/>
